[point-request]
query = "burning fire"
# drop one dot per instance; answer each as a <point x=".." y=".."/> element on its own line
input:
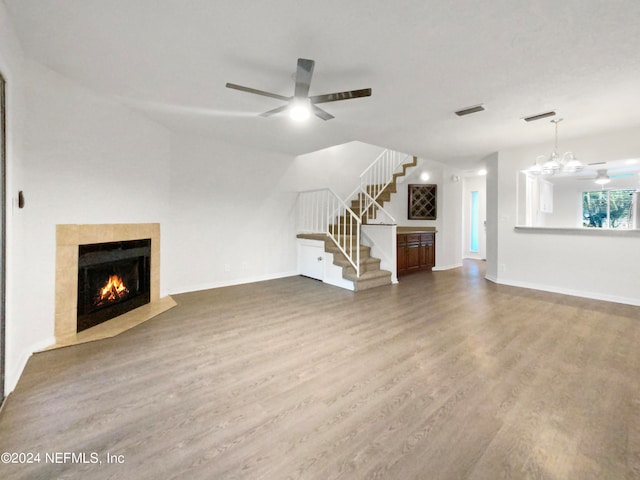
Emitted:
<point x="114" y="290"/>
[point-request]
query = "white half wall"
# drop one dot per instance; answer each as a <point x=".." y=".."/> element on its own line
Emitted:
<point x="590" y="264"/>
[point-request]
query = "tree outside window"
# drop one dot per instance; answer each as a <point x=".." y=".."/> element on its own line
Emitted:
<point x="606" y="208"/>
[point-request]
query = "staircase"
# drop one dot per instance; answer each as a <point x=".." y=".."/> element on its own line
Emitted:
<point x="340" y="232"/>
<point x="382" y="194"/>
<point x="370" y="273"/>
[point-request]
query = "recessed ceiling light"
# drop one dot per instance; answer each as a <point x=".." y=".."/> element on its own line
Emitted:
<point x="538" y="116"/>
<point x="469" y="110"/>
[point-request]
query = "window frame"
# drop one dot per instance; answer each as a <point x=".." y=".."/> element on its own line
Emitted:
<point x="606" y="224"/>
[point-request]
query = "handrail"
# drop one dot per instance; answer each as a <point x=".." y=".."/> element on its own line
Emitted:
<point x="375" y="179"/>
<point x="323" y="211"/>
<point x="365" y="216"/>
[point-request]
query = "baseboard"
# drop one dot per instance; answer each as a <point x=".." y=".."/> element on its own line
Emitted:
<point x="446" y="267"/>
<point x="568" y="291"/>
<point x="14" y="375"/>
<point x="241" y="281"/>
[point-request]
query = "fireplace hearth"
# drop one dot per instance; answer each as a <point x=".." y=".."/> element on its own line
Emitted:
<point x="113" y="278"/>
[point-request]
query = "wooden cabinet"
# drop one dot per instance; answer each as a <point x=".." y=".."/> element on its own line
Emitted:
<point x="415" y="252"/>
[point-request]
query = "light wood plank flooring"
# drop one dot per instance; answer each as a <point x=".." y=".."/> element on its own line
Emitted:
<point x="444" y="376"/>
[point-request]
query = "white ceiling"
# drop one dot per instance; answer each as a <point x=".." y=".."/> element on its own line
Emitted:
<point x="424" y="59"/>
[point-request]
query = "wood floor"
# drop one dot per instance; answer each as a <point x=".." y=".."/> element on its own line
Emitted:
<point x="444" y="376"/>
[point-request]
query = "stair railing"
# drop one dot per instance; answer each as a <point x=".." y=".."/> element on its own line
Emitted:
<point x="373" y="182"/>
<point x="322" y="211"/>
<point x="372" y="210"/>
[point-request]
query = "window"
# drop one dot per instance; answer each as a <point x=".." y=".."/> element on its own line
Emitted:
<point x="606" y="208"/>
<point x="473" y="247"/>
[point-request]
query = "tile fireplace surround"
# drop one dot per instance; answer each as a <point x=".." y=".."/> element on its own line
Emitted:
<point x="68" y="238"/>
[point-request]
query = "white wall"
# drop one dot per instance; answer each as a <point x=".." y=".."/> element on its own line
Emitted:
<point x="82" y="159"/>
<point x="231" y="216"/>
<point x="11" y="67"/>
<point x="567" y="206"/>
<point x="448" y="221"/>
<point x="337" y="167"/>
<point x="592" y="264"/>
<point x="493" y="217"/>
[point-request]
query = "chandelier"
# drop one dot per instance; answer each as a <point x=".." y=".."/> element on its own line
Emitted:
<point x="568" y="163"/>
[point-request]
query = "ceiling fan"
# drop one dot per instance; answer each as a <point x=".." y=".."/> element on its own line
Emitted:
<point x="301" y="105"/>
<point x="602" y="176"/>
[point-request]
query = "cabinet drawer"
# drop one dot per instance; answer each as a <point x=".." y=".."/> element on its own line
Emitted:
<point x="427" y="236"/>
<point x="413" y="237"/>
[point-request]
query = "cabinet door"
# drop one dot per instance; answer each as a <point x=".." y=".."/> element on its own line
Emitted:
<point x="401" y="258"/>
<point x="413" y="256"/>
<point x="426" y="256"/>
<point x="427" y="251"/>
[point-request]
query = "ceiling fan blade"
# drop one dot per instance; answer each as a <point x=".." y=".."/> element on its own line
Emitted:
<point x="334" y="97"/>
<point x="257" y="92"/>
<point x="274" y="111"/>
<point x="621" y="175"/>
<point x="303" y="77"/>
<point x="320" y="113"/>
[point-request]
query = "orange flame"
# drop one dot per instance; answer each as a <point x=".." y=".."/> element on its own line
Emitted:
<point x="114" y="290"/>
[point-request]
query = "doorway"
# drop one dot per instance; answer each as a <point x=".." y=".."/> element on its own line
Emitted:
<point x="475" y="215"/>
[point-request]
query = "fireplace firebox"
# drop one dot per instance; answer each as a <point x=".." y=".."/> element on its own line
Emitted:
<point x="113" y="278"/>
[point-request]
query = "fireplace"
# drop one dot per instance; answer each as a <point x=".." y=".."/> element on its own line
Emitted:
<point x="113" y="278"/>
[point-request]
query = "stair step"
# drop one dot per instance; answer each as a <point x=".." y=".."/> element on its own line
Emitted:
<point x="364" y="251"/>
<point x="368" y="264"/>
<point x="313" y="236"/>
<point x="371" y="275"/>
<point x="367" y="280"/>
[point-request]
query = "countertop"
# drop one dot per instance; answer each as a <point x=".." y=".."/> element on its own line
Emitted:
<point x="400" y="229"/>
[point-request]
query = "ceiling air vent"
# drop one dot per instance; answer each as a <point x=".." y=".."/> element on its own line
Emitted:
<point x="539" y="116"/>
<point x="467" y="111"/>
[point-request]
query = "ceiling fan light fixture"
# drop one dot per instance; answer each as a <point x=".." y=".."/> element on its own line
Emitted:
<point x="602" y="178"/>
<point x="293" y="104"/>
<point x="300" y="109"/>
